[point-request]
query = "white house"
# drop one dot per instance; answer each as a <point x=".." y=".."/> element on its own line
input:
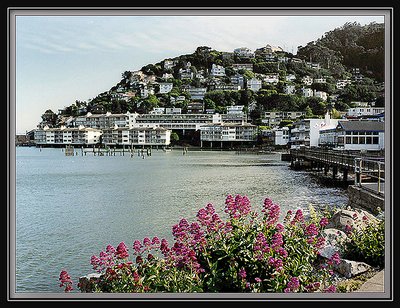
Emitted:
<point x="281" y="135"/>
<point x="321" y="94"/>
<point x="254" y="84"/>
<point x="217" y="70"/>
<point x="165" y="87"/>
<point x="307" y="80"/>
<point x="289" y="89"/>
<point x="364" y="111"/>
<point x="243" y="52"/>
<point x="271" y="78"/>
<point x="307" y="92"/>
<point x="360" y="135"/>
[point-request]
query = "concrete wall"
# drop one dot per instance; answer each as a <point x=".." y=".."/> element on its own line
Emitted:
<point x="364" y="199"/>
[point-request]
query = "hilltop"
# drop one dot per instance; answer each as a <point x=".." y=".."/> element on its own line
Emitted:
<point x="345" y="65"/>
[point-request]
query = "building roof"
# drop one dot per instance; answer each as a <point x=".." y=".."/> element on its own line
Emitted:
<point x="362" y="125"/>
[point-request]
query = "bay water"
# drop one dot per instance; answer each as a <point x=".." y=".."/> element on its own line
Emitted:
<point x="69" y="208"/>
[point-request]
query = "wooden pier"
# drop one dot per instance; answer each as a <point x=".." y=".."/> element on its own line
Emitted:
<point x="368" y="168"/>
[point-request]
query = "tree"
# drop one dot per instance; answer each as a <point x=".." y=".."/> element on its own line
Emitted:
<point x="174" y="138"/>
<point x="49" y="118"/>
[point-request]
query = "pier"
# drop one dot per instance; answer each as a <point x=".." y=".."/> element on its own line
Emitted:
<point x="363" y="173"/>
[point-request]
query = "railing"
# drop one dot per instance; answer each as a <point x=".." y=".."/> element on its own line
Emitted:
<point x="370" y="174"/>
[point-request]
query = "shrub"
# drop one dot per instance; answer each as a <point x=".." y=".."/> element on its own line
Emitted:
<point x="366" y="243"/>
<point x="248" y="252"/>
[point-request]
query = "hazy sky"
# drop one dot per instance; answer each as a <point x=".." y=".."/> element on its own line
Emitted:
<point x="60" y="59"/>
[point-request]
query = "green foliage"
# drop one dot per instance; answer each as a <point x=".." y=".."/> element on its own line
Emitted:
<point x="366" y="244"/>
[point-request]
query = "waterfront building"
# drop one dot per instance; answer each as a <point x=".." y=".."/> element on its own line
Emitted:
<point x="105" y="120"/>
<point x="305" y="132"/>
<point x="136" y="136"/>
<point x="363" y="135"/>
<point x="220" y="133"/>
<point x="281" y="135"/>
<point x="59" y="136"/>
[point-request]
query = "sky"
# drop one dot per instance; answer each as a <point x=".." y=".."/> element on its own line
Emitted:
<point x="61" y="59"/>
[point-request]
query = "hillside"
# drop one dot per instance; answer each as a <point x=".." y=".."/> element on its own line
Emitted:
<point x="343" y="66"/>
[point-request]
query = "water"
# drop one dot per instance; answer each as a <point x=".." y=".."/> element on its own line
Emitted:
<point x="71" y="207"/>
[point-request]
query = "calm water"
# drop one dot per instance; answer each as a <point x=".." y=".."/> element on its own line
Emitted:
<point x="71" y="207"/>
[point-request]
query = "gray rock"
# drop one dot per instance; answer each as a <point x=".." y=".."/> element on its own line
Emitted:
<point x="350" y="269"/>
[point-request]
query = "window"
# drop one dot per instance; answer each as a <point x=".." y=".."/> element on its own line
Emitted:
<point x="348" y="140"/>
<point x="375" y="140"/>
<point x="368" y="140"/>
<point x="355" y="140"/>
<point x="361" y="140"/>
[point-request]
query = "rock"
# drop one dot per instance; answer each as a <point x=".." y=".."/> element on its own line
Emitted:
<point x="85" y="282"/>
<point x="350" y="269"/>
<point x="357" y="219"/>
<point x="333" y="239"/>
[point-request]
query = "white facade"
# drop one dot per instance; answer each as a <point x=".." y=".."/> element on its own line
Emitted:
<point x="165" y="87"/>
<point x="307" y="92"/>
<point x="254" y="84"/>
<point x="281" y="136"/>
<point x="150" y="136"/>
<point x="307" y="80"/>
<point x="243" y="52"/>
<point x="289" y="89"/>
<point x="271" y="78"/>
<point x="364" y="111"/>
<point x="106" y="120"/>
<point x="305" y="132"/>
<point x="238" y="109"/>
<point x="68" y="135"/>
<point x="217" y="70"/>
<point x="221" y="132"/>
<point x="321" y="94"/>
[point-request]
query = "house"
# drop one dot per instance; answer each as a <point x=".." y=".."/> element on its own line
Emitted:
<point x="307" y="80"/>
<point x="165" y="87"/>
<point x="220" y="134"/>
<point x="254" y="84"/>
<point x="242" y="66"/>
<point x="217" y="70"/>
<point x="281" y="135"/>
<point x="144" y="136"/>
<point x="289" y="89"/>
<point x="243" y="52"/>
<point x="274" y="118"/>
<point x="307" y="92"/>
<point x="238" y="109"/>
<point x="342" y="83"/>
<point x="305" y="132"/>
<point x="290" y="77"/>
<point x="195" y="107"/>
<point x="196" y="93"/>
<point x="364" y="111"/>
<point x="271" y="78"/>
<point x="238" y="80"/>
<point x="364" y="135"/>
<point x="321" y="94"/>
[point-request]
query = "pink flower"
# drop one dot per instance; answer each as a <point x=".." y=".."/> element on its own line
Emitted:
<point x="122" y="251"/>
<point x="323" y="222"/>
<point x="242" y="273"/>
<point x="65" y="280"/>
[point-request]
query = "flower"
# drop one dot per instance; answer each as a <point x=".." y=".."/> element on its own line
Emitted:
<point x="242" y="273"/>
<point x="323" y="222"/>
<point x="65" y="281"/>
<point x="292" y="285"/>
<point x="122" y="251"/>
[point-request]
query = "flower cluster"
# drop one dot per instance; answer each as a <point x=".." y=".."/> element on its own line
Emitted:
<point x="245" y="253"/>
<point x="65" y="281"/>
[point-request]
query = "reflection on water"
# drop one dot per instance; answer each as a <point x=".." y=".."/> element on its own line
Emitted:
<point x="71" y="207"/>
